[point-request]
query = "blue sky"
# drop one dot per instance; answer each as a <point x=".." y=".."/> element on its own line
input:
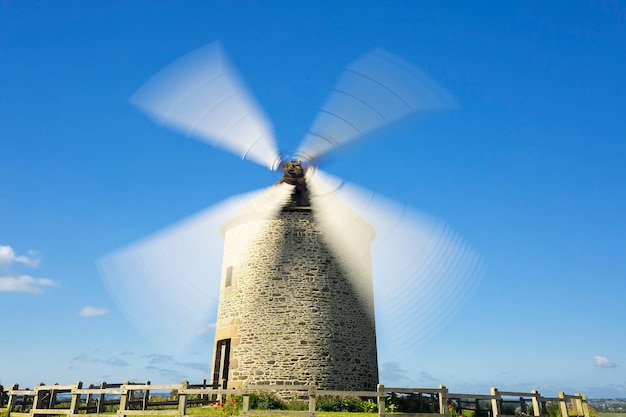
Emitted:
<point x="529" y="169"/>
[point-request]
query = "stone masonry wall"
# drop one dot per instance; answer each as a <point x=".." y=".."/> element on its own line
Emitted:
<point x="291" y="312"/>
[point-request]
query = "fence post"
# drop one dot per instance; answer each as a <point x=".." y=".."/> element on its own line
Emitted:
<point x="124" y="393"/>
<point x="36" y="399"/>
<point x="245" y="406"/>
<point x="584" y="405"/>
<point x="381" y="400"/>
<point x="182" y="399"/>
<point x="75" y="403"/>
<point x="12" y="398"/>
<point x="52" y="394"/>
<point x="146" y="398"/>
<point x="578" y="403"/>
<point x="535" y="403"/>
<point x="496" y="400"/>
<point x="100" y="401"/>
<point x="312" y="400"/>
<point x="89" y="397"/>
<point x="563" y="403"/>
<point x="204" y="397"/>
<point x="443" y="403"/>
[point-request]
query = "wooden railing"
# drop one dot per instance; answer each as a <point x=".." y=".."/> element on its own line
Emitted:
<point x="133" y="399"/>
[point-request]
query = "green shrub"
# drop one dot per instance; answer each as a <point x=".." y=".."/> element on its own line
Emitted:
<point x="369" y="406"/>
<point x="553" y="410"/>
<point x="232" y="405"/>
<point x="410" y="403"/>
<point x="296" y="404"/>
<point x="476" y="413"/>
<point x="393" y="403"/>
<point x="328" y="403"/>
<point x="264" y="400"/>
<point x="508" y="409"/>
<point x="339" y="403"/>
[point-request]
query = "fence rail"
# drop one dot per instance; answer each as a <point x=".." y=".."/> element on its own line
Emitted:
<point x="133" y="399"/>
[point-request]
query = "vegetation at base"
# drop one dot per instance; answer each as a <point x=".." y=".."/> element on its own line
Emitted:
<point x="410" y="403"/>
<point x="344" y="403"/>
<point x="342" y="414"/>
<point x="326" y="406"/>
<point x="266" y="400"/>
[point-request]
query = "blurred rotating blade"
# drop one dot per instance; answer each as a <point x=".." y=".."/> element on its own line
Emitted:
<point x="422" y="270"/>
<point x="347" y="234"/>
<point x="168" y="284"/>
<point x="377" y="89"/>
<point x="201" y="95"/>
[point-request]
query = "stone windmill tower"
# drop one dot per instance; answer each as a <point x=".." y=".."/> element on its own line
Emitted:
<point x="289" y="310"/>
<point x="294" y="296"/>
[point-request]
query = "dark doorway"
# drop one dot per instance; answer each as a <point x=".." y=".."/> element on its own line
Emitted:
<point x="222" y="360"/>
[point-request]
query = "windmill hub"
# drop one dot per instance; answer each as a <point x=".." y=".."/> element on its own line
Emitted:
<point x="293" y="172"/>
<point x="292" y="166"/>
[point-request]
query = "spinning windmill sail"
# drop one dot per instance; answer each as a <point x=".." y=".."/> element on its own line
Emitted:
<point x="182" y="270"/>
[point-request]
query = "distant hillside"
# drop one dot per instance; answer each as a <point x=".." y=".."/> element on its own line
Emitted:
<point x="609" y="405"/>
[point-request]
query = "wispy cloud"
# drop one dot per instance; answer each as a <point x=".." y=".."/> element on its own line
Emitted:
<point x="156" y="359"/>
<point x="8" y="256"/>
<point x="426" y="377"/>
<point x="603" y="362"/>
<point x="204" y="329"/>
<point x="111" y="360"/>
<point x="165" y="366"/>
<point x="196" y="365"/>
<point x="91" y="311"/>
<point x="391" y="371"/>
<point x="116" y="361"/>
<point x="24" y="283"/>
<point x="170" y="374"/>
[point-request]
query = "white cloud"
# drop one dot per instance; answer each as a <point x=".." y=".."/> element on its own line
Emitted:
<point x="603" y="362"/>
<point x="8" y="256"/>
<point x="24" y="283"/>
<point x="91" y="311"/>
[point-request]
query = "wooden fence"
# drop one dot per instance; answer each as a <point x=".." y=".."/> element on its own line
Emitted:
<point x="133" y="399"/>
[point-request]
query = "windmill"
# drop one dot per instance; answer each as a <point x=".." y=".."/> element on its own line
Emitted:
<point x="315" y="275"/>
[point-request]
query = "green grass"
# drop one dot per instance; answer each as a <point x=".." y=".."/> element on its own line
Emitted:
<point x="344" y="414"/>
<point x="209" y="412"/>
<point x="213" y="413"/>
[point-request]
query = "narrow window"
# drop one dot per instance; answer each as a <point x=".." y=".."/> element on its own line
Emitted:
<point x="229" y="277"/>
